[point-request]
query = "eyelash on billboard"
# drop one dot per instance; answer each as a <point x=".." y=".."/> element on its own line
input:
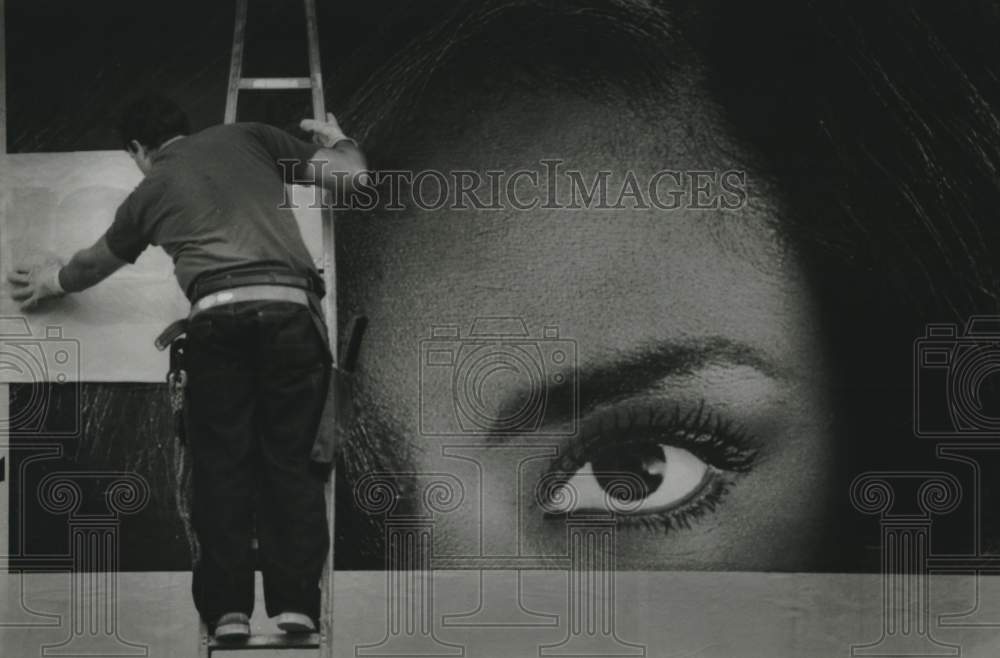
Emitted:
<point x="726" y="448"/>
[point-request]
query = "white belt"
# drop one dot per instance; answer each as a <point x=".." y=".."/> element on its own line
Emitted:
<point x="267" y="293"/>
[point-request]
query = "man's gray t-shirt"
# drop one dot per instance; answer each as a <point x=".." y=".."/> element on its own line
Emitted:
<point x="212" y="201"/>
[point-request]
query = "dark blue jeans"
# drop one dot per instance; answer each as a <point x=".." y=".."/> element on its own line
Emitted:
<point x="257" y="380"/>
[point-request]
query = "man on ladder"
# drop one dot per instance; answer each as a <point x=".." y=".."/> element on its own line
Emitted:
<point x="257" y="359"/>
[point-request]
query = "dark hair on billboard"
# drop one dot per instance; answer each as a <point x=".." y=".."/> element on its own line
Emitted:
<point x="152" y="119"/>
<point x="879" y="126"/>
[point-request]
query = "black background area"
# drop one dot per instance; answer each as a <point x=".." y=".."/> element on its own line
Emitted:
<point x="102" y="429"/>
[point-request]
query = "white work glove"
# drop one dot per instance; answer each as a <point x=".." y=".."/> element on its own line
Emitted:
<point x="33" y="283"/>
<point x="326" y="133"/>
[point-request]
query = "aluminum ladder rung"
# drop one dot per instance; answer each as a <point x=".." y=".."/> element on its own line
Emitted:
<point x="238" y="82"/>
<point x="275" y="641"/>
<point x="275" y="83"/>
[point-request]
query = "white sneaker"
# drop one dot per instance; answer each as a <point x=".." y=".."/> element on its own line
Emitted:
<point x="232" y="626"/>
<point x="295" y="622"/>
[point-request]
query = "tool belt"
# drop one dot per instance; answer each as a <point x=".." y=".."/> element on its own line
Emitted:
<point x="254" y="275"/>
<point x="256" y="293"/>
<point x="230" y="287"/>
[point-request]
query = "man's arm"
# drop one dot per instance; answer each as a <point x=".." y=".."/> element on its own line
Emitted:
<point x="339" y="160"/>
<point x="89" y="267"/>
<point x="342" y="167"/>
<point x="86" y="268"/>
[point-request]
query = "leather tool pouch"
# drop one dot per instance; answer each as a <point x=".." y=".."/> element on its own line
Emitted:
<point x="174" y="337"/>
<point x="338" y="411"/>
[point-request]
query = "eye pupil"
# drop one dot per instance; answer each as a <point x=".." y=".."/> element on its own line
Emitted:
<point x="630" y="475"/>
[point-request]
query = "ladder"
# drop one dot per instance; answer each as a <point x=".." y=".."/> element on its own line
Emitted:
<point x="323" y="639"/>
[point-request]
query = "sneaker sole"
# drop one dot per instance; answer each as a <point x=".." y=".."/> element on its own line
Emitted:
<point x="230" y="632"/>
<point x="295" y="627"/>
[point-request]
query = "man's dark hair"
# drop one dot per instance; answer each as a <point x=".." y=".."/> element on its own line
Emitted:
<point x="151" y="120"/>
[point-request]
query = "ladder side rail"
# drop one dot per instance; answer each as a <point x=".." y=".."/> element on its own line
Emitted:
<point x="236" y="61"/>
